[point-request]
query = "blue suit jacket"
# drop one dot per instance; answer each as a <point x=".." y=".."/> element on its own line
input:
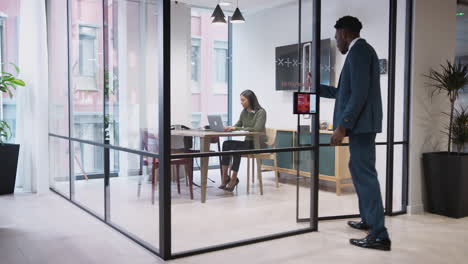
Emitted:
<point x="358" y="105"/>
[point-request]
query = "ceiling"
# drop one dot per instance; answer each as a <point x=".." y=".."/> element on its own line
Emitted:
<point x="246" y="6"/>
<point x="252" y="6"/>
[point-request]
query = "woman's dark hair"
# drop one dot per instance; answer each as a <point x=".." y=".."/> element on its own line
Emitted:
<point x="253" y="101"/>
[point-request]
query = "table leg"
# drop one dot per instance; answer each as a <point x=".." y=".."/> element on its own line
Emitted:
<point x="259" y="165"/>
<point x="205" y="147"/>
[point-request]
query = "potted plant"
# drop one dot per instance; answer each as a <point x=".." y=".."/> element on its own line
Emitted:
<point x="8" y="152"/>
<point x="446" y="173"/>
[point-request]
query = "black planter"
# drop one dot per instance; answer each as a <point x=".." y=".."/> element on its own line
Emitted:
<point x="8" y="165"/>
<point x="446" y="178"/>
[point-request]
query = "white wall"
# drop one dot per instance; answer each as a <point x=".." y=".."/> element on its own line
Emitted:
<point x="254" y="46"/>
<point x="254" y="51"/>
<point x="433" y="44"/>
<point x="434" y="40"/>
<point x="181" y="99"/>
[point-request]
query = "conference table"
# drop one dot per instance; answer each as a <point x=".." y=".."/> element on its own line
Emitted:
<point x="206" y="137"/>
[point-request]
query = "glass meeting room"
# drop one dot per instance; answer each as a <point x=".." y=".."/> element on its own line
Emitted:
<point x="204" y="151"/>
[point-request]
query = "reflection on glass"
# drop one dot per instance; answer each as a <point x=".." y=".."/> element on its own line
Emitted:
<point x="58" y="67"/>
<point x="229" y="216"/>
<point x="134" y="204"/>
<point x="86" y="55"/>
<point x="398" y="178"/>
<point x="59" y="165"/>
<point x="9" y="32"/>
<point x="400" y="58"/>
<point x="231" y="203"/>
<point x="88" y="178"/>
<point x="337" y="192"/>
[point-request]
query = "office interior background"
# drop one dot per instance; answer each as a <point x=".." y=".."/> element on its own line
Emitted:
<point x="89" y="119"/>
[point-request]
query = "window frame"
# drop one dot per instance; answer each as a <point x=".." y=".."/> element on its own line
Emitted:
<point x="195" y="84"/>
<point x="220" y="88"/>
<point x="84" y="77"/>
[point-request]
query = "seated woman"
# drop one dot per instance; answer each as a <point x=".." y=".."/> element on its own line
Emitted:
<point x="252" y="119"/>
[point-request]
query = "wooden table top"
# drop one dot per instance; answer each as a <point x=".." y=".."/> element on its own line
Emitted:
<point x="209" y="133"/>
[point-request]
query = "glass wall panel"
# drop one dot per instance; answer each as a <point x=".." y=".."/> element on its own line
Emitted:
<point x="88" y="186"/>
<point x="131" y="90"/>
<point x="398" y="178"/>
<point x="133" y="74"/>
<point x="338" y="197"/>
<point x="401" y="104"/>
<point x="87" y="82"/>
<point x="265" y="62"/>
<point x="461" y="53"/>
<point x="134" y="204"/>
<point x="207" y="90"/>
<point x="59" y="165"/>
<point x="400" y="58"/>
<point x="212" y="67"/>
<point x="244" y="213"/>
<point x="58" y="67"/>
<point x="9" y="30"/>
<point x="133" y="116"/>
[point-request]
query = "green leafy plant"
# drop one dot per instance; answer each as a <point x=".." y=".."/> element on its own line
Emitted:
<point x="8" y="83"/>
<point x="460" y="129"/>
<point x="449" y="80"/>
<point x="5" y="131"/>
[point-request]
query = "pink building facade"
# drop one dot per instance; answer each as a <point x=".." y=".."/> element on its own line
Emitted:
<point x="209" y="68"/>
<point x="133" y="87"/>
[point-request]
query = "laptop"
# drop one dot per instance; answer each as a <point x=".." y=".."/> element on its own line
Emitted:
<point x="216" y="123"/>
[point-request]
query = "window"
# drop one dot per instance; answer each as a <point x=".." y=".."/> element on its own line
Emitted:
<point x="196" y="119"/>
<point x="88" y="58"/>
<point x="220" y="66"/>
<point x="221" y="61"/>
<point x="87" y="51"/>
<point x="196" y="65"/>
<point x="1" y="40"/>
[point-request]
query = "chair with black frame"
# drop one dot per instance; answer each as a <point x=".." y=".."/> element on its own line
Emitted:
<point x="149" y="142"/>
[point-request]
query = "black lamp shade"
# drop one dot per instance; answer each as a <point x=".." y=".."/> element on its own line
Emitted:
<point x="218" y="15"/>
<point x="237" y="17"/>
<point x="219" y="20"/>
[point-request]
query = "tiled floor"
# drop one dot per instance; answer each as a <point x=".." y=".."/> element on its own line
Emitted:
<point x="40" y="229"/>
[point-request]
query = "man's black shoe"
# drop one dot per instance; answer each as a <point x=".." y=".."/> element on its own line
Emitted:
<point x="373" y="243"/>
<point x="358" y="225"/>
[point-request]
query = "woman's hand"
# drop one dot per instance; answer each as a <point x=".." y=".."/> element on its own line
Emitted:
<point x="229" y="128"/>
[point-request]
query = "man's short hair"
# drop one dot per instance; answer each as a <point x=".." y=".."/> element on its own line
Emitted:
<point x="350" y="23"/>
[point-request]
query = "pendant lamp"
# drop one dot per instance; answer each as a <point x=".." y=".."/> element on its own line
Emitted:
<point x="218" y="16"/>
<point x="237" y="17"/>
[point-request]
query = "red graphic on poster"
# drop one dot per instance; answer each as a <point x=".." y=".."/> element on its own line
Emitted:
<point x="303" y="103"/>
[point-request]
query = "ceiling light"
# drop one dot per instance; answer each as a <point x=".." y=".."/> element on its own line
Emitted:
<point x="218" y="16"/>
<point x="237" y="17"/>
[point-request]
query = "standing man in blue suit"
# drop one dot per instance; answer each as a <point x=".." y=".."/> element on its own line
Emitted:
<point x="358" y="114"/>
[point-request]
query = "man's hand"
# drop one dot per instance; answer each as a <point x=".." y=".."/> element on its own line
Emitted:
<point x="229" y="128"/>
<point x="338" y="136"/>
